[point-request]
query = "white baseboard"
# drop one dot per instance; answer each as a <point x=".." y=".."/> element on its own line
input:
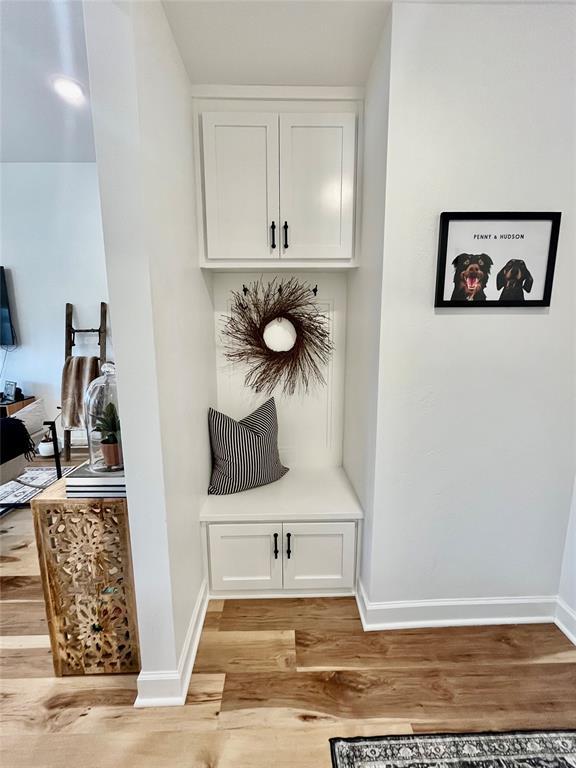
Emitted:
<point x="168" y="688"/>
<point x="285" y="593"/>
<point x="454" y="612"/>
<point x="566" y="619"/>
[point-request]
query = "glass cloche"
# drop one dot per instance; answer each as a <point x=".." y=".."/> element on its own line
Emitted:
<point x="102" y="422"/>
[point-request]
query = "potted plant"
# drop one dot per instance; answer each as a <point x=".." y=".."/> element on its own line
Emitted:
<point x="108" y="424"/>
<point x="46" y="446"/>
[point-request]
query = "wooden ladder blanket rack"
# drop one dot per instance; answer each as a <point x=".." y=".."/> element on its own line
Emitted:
<point x="70" y="343"/>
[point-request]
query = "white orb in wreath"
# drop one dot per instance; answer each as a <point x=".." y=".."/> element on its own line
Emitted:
<point x="280" y="335"/>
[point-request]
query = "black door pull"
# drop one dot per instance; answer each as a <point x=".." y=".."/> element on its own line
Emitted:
<point x="285" y="228"/>
<point x="288" y="550"/>
<point x="275" y="546"/>
<point x="273" y="235"/>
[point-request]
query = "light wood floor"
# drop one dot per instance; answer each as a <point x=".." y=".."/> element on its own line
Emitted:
<point x="273" y="681"/>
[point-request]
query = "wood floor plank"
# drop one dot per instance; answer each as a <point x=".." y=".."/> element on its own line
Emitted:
<point x="14" y="542"/>
<point x="26" y="662"/>
<point x="54" y="704"/>
<point x="212" y="620"/>
<point x="18" y="556"/>
<point x="511" y="644"/>
<point x="180" y="749"/>
<point x="339" y="614"/>
<point x="21" y="588"/>
<point x="281" y="719"/>
<point x="499" y="723"/>
<point x="213" y="614"/>
<point x="460" y="694"/>
<point x="26" y="618"/>
<point x="12" y="642"/>
<point x="269" y="651"/>
<point x="85" y="705"/>
<point x="18" y="522"/>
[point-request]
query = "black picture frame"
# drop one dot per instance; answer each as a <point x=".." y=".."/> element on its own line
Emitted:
<point x="9" y="390"/>
<point x="446" y="260"/>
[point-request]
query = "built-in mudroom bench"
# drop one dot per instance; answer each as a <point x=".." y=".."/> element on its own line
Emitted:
<point x="298" y="536"/>
<point x="277" y="173"/>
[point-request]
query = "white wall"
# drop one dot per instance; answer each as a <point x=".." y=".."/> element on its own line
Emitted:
<point x="180" y="295"/>
<point x="365" y="295"/>
<point x="566" y="613"/>
<point x="163" y="323"/>
<point x="309" y="424"/>
<point x="52" y="245"/>
<point x="475" y="448"/>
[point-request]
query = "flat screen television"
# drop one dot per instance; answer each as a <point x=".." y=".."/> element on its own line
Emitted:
<point x="7" y="333"/>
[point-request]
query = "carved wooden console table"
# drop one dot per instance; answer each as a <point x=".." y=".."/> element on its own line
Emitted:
<point x="84" y="552"/>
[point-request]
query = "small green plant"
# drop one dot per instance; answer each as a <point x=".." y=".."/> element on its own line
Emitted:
<point x="108" y="424"/>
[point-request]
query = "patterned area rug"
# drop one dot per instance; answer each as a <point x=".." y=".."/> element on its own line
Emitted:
<point x="17" y="493"/>
<point x="538" y="749"/>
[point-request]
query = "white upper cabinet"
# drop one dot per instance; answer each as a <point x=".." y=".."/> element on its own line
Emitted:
<point x="279" y="186"/>
<point x="241" y="184"/>
<point x="317" y="161"/>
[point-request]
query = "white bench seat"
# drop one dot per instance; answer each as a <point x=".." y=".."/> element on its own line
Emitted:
<point x="301" y="495"/>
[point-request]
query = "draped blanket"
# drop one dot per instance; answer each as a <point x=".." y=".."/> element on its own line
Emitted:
<point x="77" y="374"/>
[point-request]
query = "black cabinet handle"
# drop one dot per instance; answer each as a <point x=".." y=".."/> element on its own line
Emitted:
<point x="288" y="550"/>
<point x="285" y="228"/>
<point x="275" y="546"/>
<point x="273" y="235"/>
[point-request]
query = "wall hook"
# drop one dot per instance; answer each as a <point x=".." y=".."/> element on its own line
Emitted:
<point x="244" y="290"/>
<point x="315" y="290"/>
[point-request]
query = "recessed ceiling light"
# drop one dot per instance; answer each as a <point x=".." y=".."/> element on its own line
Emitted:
<point x="69" y="90"/>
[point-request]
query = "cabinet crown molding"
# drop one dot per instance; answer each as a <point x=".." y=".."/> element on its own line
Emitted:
<point x="279" y="92"/>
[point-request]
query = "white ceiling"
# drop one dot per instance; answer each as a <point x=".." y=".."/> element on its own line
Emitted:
<point x="228" y="42"/>
<point x="40" y="39"/>
<point x="232" y="42"/>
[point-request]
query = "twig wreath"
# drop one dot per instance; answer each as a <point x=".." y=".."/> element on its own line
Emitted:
<point x="277" y="330"/>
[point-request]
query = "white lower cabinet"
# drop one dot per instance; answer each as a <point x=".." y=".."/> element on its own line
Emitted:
<point x="242" y="556"/>
<point x="321" y="555"/>
<point x="275" y="556"/>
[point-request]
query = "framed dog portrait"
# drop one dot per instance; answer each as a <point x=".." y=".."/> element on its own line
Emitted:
<point x="496" y="259"/>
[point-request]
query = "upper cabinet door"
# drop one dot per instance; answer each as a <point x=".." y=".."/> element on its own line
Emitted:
<point x="317" y="162"/>
<point x="241" y="184"/>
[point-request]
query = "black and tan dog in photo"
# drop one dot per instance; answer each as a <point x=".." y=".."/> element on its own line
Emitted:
<point x="513" y="279"/>
<point x="470" y="276"/>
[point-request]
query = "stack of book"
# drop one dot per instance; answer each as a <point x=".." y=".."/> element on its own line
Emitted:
<point x="83" y="483"/>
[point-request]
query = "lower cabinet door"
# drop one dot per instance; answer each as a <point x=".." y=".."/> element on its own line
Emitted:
<point x="243" y="556"/>
<point x="319" y="555"/>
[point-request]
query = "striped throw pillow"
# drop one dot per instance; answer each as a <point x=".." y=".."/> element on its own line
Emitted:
<point x="244" y="453"/>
